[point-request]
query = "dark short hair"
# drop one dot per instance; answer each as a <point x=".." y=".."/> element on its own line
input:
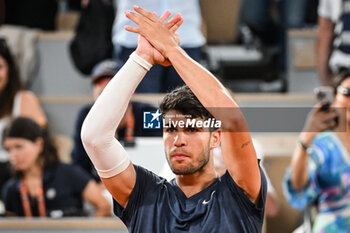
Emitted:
<point x="26" y="128"/>
<point x="182" y="99"/>
<point x="13" y="85"/>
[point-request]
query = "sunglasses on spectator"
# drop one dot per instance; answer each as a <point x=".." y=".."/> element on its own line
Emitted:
<point x="344" y="91"/>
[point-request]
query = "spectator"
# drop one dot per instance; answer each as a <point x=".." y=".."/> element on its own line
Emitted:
<point x="130" y="126"/>
<point x="320" y="167"/>
<point x="13" y="102"/>
<point x="271" y="31"/>
<point x="160" y="79"/>
<point x="43" y="186"/>
<point x="333" y="51"/>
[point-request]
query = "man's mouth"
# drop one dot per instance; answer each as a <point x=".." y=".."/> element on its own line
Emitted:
<point x="179" y="156"/>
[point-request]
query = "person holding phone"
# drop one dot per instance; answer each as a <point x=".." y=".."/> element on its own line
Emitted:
<point x="320" y="166"/>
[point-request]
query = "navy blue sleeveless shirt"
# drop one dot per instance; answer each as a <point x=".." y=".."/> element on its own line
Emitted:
<point x="158" y="206"/>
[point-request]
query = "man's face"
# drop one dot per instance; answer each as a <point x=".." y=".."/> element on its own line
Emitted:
<point x="187" y="149"/>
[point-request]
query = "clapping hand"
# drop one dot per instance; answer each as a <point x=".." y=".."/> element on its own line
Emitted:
<point x="155" y="34"/>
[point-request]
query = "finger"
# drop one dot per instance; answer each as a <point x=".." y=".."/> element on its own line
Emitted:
<point x="324" y="126"/>
<point x="133" y="17"/>
<point x="132" y="29"/>
<point x="138" y="19"/>
<point x="330" y="116"/>
<point x="145" y="13"/>
<point x="320" y="104"/>
<point x="177" y="25"/>
<point x="171" y="22"/>
<point x="323" y="106"/>
<point x="330" y="124"/>
<point x="165" y="16"/>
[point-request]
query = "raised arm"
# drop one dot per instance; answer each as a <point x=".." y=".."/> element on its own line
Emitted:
<point x="240" y="157"/>
<point x="108" y="156"/>
<point x="316" y="122"/>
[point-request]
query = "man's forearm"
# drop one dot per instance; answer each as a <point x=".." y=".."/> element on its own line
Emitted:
<point x="205" y="86"/>
<point x="99" y="127"/>
<point x="209" y="90"/>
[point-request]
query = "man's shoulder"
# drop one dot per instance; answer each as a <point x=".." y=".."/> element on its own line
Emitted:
<point x="145" y="174"/>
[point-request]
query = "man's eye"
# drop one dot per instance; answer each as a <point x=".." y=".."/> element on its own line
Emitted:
<point x="192" y="130"/>
<point x="170" y="130"/>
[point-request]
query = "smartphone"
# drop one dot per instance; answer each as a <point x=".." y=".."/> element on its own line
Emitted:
<point x="324" y="94"/>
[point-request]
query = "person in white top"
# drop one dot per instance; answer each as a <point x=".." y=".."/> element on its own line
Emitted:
<point x="159" y="79"/>
<point x="13" y="102"/>
<point x="333" y="52"/>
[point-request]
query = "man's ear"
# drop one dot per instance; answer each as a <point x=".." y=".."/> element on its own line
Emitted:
<point x="215" y="138"/>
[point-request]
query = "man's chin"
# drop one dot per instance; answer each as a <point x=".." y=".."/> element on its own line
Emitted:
<point x="182" y="173"/>
<point x="183" y="170"/>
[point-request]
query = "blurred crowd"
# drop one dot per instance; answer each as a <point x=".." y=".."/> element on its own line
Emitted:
<point x="32" y="176"/>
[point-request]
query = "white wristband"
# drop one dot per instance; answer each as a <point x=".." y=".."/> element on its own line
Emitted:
<point x="139" y="60"/>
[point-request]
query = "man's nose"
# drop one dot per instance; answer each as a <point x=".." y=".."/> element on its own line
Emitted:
<point x="180" y="139"/>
